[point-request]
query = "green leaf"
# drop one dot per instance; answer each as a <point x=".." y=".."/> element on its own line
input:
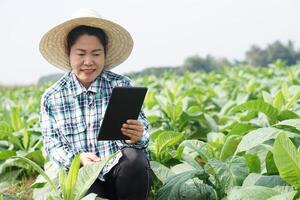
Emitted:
<point x="167" y="139"/>
<point x="37" y="157"/>
<point x="287" y="160"/>
<point x="241" y="129"/>
<point x="258" y="106"/>
<point x="253" y="162"/>
<point x="270" y="164"/>
<point x="15" y="118"/>
<point x="25" y="139"/>
<point x="5" y="129"/>
<point x="230" y="173"/>
<point x="257" y="137"/>
<point x="267" y="97"/>
<point x="195" y="152"/>
<point x="287" y="114"/>
<point x="278" y="101"/>
<point x="15" y="141"/>
<point x="70" y="181"/>
<point x="284" y="196"/>
<point x="38" y="185"/>
<point x="172" y="189"/>
<point x="294" y="123"/>
<point x="41" y="171"/>
<point x="161" y="172"/>
<point x="86" y="177"/>
<point x="211" y="123"/>
<point x="91" y="196"/>
<point x="6" y="154"/>
<point x="62" y="178"/>
<point x="229" y="146"/>
<point x="251" y="193"/>
<point x="266" y="181"/>
<point x="293" y="100"/>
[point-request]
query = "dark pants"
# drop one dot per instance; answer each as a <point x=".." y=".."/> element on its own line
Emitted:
<point x="129" y="179"/>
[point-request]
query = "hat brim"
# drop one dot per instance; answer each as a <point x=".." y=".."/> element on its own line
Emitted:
<point x="53" y="44"/>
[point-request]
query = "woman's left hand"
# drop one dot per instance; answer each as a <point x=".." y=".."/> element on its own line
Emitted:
<point x="134" y="130"/>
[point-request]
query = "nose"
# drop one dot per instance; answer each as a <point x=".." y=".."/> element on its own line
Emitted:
<point x="88" y="61"/>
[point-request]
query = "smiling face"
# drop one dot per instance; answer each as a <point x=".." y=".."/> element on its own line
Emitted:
<point x="87" y="59"/>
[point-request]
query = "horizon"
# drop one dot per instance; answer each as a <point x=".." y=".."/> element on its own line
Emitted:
<point x="165" y="33"/>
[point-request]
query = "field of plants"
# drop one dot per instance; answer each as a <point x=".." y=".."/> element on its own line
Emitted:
<point x="230" y="134"/>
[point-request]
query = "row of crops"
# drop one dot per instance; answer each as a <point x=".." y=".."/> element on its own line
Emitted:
<point x="230" y="134"/>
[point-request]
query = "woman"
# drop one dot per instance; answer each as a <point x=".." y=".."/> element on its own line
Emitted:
<point x="73" y="108"/>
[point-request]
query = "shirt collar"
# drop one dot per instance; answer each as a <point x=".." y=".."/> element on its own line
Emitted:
<point x="78" y="88"/>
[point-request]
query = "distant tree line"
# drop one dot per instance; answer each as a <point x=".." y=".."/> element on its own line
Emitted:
<point x="255" y="56"/>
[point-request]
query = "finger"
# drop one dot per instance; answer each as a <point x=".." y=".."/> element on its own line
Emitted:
<point x="133" y="127"/>
<point x="87" y="162"/>
<point x="133" y="121"/>
<point x="131" y="136"/>
<point x="131" y="133"/>
<point x="93" y="157"/>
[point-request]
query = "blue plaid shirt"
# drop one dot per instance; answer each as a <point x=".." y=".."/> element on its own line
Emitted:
<point x="71" y="116"/>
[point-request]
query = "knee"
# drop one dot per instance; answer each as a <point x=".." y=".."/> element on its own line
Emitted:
<point x="134" y="159"/>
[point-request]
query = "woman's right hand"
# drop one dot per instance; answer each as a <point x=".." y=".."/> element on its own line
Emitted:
<point x="88" y="158"/>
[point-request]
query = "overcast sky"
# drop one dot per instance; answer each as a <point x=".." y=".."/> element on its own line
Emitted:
<point x="165" y="32"/>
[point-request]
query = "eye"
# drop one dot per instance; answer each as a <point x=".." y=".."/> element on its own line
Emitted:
<point x="80" y="54"/>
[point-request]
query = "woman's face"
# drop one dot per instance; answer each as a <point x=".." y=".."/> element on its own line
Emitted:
<point x="87" y="59"/>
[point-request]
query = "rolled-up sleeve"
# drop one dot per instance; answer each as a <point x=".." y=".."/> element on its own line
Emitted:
<point x="54" y="147"/>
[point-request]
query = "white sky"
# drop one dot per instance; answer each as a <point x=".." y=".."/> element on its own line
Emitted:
<point x="165" y="32"/>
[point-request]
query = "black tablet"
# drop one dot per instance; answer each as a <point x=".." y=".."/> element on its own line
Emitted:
<point x="124" y="103"/>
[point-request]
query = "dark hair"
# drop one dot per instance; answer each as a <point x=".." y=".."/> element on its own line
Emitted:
<point x="82" y="30"/>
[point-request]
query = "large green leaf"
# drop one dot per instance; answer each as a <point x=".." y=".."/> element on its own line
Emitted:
<point x="175" y="184"/>
<point x="284" y="196"/>
<point x="192" y="151"/>
<point x="251" y="193"/>
<point x="162" y="172"/>
<point x="257" y="137"/>
<point x="258" y="106"/>
<point x="230" y="173"/>
<point x="52" y="170"/>
<point x="86" y="177"/>
<point x="287" y="160"/>
<point x="294" y="123"/>
<point x="266" y="181"/>
<point x="70" y="181"/>
<point x="164" y="140"/>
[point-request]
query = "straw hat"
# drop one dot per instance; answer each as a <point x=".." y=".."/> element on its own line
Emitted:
<point x="53" y="44"/>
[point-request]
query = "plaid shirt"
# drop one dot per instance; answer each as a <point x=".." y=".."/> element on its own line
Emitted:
<point x="71" y="116"/>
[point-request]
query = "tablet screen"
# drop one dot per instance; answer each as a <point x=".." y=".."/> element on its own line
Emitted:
<point x="124" y="103"/>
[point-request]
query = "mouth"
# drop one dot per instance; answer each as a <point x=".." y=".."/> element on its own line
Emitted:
<point x="88" y="71"/>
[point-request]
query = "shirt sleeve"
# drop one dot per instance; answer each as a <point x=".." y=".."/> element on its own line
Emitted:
<point x="143" y="143"/>
<point x="54" y="147"/>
